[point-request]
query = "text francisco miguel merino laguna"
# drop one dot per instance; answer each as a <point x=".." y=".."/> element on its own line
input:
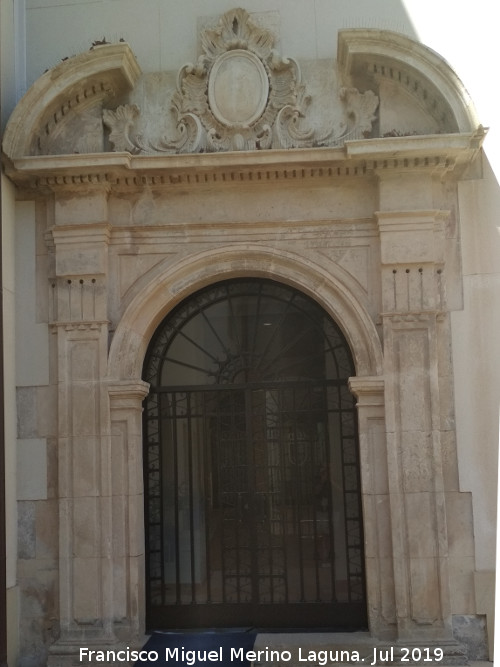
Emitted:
<point x="318" y="657"/>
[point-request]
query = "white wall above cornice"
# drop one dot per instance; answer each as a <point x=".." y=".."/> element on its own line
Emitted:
<point x="370" y="56"/>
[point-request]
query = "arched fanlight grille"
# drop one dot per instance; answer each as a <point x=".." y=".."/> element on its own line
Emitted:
<point x="247" y="331"/>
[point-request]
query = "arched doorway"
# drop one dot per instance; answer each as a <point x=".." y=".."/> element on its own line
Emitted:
<point x="253" y="504"/>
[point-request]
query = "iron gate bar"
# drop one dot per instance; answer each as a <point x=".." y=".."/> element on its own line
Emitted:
<point x="191" y="516"/>
<point x="206" y="470"/>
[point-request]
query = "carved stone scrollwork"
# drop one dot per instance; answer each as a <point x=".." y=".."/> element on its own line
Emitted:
<point x="121" y="123"/>
<point x="241" y="95"/>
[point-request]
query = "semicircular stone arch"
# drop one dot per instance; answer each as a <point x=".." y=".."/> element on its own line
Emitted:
<point x="332" y="290"/>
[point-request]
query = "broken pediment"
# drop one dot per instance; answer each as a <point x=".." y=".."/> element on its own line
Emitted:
<point x="241" y="94"/>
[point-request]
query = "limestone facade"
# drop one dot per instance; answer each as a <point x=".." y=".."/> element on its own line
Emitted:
<point x="340" y="179"/>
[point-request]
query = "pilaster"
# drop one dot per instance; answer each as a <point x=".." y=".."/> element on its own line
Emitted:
<point x="125" y="400"/>
<point x="369" y="392"/>
<point x="413" y="305"/>
<point x="78" y="317"/>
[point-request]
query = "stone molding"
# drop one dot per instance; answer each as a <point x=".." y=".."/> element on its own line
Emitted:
<point x="369" y="390"/>
<point x="127" y="394"/>
<point x="438" y="155"/>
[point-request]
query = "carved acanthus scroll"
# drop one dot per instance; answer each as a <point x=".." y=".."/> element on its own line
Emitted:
<point x="241" y="95"/>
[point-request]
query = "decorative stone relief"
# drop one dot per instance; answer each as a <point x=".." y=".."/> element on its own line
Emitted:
<point x="242" y="95"/>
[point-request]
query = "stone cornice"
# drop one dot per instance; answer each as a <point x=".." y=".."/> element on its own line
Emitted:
<point x="411" y="220"/>
<point x="95" y="233"/>
<point x="439" y="154"/>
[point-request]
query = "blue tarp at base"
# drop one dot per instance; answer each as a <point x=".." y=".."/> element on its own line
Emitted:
<point x="198" y="649"/>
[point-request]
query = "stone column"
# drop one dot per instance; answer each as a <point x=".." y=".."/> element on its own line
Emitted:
<point x="79" y="320"/>
<point x="369" y="392"/>
<point x="412" y="254"/>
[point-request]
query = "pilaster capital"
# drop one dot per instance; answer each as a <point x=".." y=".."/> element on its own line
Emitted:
<point x="127" y="394"/>
<point x="369" y="390"/>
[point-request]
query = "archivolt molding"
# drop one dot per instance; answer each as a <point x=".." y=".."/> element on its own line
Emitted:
<point x="334" y="289"/>
<point x="369" y="56"/>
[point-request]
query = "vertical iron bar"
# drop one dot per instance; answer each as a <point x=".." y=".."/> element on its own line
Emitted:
<point x="223" y="494"/>
<point x="331" y="532"/>
<point x="342" y="453"/>
<point x="267" y="503"/>
<point x="299" y="497"/>
<point x="207" y="493"/>
<point x="251" y="490"/>
<point x="283" y="491"/>
<point x="175" y="444"/>
<point x="317" y="511"/>
<point x="160" y="494"/>
<point x="241" y="495"/>
<point x="191" y="495"/>
<point x="358" y="501"/>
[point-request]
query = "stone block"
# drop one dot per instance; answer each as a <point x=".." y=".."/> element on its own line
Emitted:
<point x="86" y="527"/>
<point x="460" y="524"/>
<point x="420" y="521"/>
<point x="87" y="209"/>
<point x="411" y="237"/>
<point x="461" y="575"/>
<point x="87" y="591"/>
<point x="47" y="529"/>
<point x="26" y="412"/>
<point x="485" y="586"/>
<point x="424" y="583"/>
<point x="32" y="469"/>
<point x="85" y="465"/>
<point x="26" y="531"/>
<point x="470" y="630"/>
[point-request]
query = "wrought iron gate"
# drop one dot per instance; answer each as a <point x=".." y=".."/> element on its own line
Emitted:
<point x="253" y="513"/>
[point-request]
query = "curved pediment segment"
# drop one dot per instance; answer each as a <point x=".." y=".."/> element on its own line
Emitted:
<point x="408" y="75"/>
<point x="61" y="112"/>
